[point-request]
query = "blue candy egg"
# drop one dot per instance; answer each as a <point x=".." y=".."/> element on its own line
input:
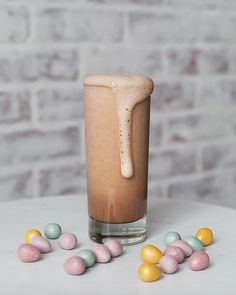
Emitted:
<point x="52" y="231"/>
<point x="194" y="242"/>
<point x="170" y="237"/>
<point x="88" y="256"/>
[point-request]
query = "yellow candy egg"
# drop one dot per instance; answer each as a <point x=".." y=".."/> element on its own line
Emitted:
<point x="31" y="233"/>
<point x="205" y="235"/>
<point x="149" y="272"/>
<point x="151" y="254"/>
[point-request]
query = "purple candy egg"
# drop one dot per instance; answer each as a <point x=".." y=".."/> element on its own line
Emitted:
<point x="176" y="252"/>
<point x="114" y="247"/>
<point x="41" y="243"/>
<point x="102" y="253"/>
<point x="67" y="241"/>
<point x="184" y="246"/>
<point x="168" y="264"/>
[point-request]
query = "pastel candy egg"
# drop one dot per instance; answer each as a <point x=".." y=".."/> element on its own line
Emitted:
<point x="74" y="265"/>
<point x="170" y="237"/>
<point x="88" y="256"/>
<point x="168" y="264"/>
<point x="194" y="242"/>
<point x="41" y="243"/>
<point x="150" y="254"/>
<point x="31" y="233"/>
<point x="114" y="247"/>
<point x="176" y="252"/>
<point x="28" y="253"/>
<point x="101" y="252"/>
<point x="184" y="246"/>
<point x="199" y="260"/>
<point x="67" y="241"/>
<point x="205" y="235"/>
<point x="149" y="272"/>
<point x="52" y="231"/>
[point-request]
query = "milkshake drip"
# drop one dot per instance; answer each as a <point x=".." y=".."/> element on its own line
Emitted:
<point x="128" y="91"/>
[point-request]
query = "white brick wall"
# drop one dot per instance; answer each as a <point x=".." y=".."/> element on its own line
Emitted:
<point x="188" y="47"/>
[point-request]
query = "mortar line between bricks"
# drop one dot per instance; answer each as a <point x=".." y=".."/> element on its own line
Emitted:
<point x="199" y="159"/>
<point x="179" y="113"/>
<point x="69" y="45"/>
<point x="81" y="65"/>
<point x="35" y="184"/>
<point x="30" y="40"/>
<point x="156" y="117"/>
<point x="192" y="145"/>
<point x="165" y="62"/>
<point x="195" y="176"/>
<point x="35" y="86"/>
<point x="50" y="84"/>
<point x="165" y="131"/>
<point x="43" y="164"/>
<point x="163" y="181"/>
<point x="232" y="60"/>
<point x="130" y="8"/>
<point x="34" y="110"/>
<point x="198" y="101"/>
<point x="41" y="126"/>
<point x="82" y="139"/>
<point x="15" y="170"/>
<point x="126" y="38"/>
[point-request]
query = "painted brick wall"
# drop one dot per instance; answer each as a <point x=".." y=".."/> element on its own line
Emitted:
<point x="188" y="47"/>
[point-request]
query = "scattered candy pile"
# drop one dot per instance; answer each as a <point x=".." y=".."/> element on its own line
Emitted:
<point x="168" y="260"/>
<point x="177" y="250"/>
<point x="35" y="244"/>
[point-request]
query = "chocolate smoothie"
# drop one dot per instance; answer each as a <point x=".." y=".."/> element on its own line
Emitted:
<point x="117" y="111"/>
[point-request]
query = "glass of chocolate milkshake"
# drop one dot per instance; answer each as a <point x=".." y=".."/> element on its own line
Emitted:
<point x="117" y="109"/>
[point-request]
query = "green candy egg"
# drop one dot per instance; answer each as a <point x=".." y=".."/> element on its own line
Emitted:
<point x="52" y="231"/>
<point x="194" y="242"/>
<point x="170" y="237"/>
<point x="88" y="256"/>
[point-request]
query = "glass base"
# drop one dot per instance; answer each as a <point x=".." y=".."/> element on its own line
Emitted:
<point x="126" y="233"/>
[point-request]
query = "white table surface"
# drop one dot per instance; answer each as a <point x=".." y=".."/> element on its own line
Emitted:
<point x="120" y="275"/>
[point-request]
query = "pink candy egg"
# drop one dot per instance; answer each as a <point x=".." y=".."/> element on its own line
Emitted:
<point x="114" y="247"/>
<point x="168" y="264"/>
<point x="176" y="252"/>
<point x="28" y="253"/>
<point x="67" y="241"/>
<point x="74" y="265"/>
<point x="102" y="253"/>
<point x="184" y="246"/>
<point x="199" y="260"/>
<point x="41" y="243"/>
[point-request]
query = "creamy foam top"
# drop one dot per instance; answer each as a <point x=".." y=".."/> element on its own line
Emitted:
<point x="128" y="91"/>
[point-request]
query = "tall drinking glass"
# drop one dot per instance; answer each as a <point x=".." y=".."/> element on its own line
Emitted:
<point x="117" y="109"/>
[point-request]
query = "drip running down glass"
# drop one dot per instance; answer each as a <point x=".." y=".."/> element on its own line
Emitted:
<point x="117" y="110"/>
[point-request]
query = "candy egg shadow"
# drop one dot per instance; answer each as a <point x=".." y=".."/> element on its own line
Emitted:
<point x="205" y="269"/>
<point x="43" y="256"/>
<point x="92" y="268"/>
<point x="95" y="265"/>
<point x="52" y="250"/>
<point x="179" y="270"/>
<point x="77" y="247"/>
<point x="212" y="243"/>
<point x="210" y="265"/>
<point x="68" y="250"/>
